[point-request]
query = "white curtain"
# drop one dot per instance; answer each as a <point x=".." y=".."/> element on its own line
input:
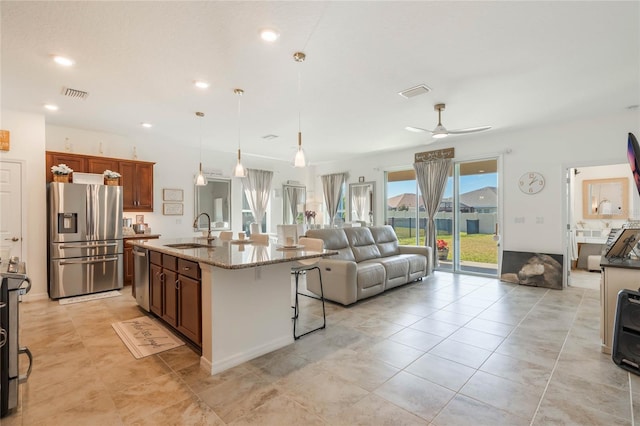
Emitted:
<point x="333" y="188"/>
<point x="360" y="200"/>
<point x="432" y="178"/>
<point x="257" y="188"/>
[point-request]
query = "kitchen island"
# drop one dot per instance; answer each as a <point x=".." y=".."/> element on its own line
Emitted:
<point x="246" y="295"/>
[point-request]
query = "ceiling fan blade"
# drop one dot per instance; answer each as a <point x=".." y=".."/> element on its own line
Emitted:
<point x="416" y="129"/>
<point x="469" y="130"/>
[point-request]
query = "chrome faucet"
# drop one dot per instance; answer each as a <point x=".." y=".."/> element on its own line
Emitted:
<point x="195" y="224"/>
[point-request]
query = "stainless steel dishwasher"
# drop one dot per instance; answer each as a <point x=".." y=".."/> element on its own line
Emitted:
<point x="141" y="276"/>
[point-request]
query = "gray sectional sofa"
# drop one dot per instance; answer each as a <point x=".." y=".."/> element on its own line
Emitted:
<point x="369" y="261"/>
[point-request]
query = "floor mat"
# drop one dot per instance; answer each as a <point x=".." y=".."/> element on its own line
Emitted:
<point x="144" y="336"/>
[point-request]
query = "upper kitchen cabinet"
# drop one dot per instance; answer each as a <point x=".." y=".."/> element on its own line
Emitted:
<point x="78" y="163"/>
<point x="99" y="165"/>
<point x="136" y="180"/>
<point x="137" y="183"/>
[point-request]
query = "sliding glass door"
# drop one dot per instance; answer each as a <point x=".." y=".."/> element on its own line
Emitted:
<point x="466" y="220"/>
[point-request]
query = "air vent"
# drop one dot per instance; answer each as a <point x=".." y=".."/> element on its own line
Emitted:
<point x="269" y="137"/>
<point x="74" y="93"/>
<point x="414" y="91"/>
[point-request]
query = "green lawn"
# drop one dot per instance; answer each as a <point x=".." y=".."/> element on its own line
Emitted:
<point x="473" y="248"/>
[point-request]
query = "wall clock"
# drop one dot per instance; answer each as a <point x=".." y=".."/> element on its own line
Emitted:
<point x="531" y="183"/>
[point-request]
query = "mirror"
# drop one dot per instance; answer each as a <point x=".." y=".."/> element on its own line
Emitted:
<point x="362" y="202"/>
<point x="605" y="198"/>
<point x="214" y="199"/>
<point x="294" y="198"/>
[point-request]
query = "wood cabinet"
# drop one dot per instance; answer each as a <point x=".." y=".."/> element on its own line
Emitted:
<point x="137" y="183"/>
<point x="136" y="180"/>
<point x="175" y="294"/>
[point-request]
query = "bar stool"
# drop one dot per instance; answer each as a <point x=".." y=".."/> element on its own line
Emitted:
<point x="262" y="239"/>
<point x="302" y="267"/>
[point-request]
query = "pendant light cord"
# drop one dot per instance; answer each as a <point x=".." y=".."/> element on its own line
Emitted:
<point x="239" y="96"/>
<point x="299" y="97"/>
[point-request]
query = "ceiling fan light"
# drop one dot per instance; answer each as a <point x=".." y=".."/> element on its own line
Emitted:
<point x="440" y="132"/>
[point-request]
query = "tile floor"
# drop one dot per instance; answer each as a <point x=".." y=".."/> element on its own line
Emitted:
<point x="450" y="350"/>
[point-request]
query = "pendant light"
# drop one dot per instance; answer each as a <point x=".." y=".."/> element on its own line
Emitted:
<point x="299" y="160"/>
<point x="200" y="179"/>
<point x="238" y="170"/>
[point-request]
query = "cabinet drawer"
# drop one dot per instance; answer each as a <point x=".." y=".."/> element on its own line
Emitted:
<point x="155" y="257"/>
<point x="189" y="269"/>
<point x="170" y="262"/>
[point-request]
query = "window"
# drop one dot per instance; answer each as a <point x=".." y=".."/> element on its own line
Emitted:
<point x="247" y="215"/>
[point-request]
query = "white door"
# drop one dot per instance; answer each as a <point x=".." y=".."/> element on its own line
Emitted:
<point x="10" y="209"/>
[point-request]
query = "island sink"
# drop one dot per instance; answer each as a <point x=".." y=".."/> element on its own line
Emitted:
<point x="187" y="245"/>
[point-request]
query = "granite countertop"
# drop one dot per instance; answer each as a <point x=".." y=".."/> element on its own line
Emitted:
<point x="620" y="263"/>
<point x="141" y="236"/>
<point x="230" y="254"/>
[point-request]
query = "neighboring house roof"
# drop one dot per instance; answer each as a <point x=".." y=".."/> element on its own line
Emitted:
<point x="405" y="199"/>
<point x="480" y="198"/>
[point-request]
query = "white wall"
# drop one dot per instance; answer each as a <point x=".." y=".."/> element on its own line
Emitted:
<point x="28" y="145"/>
<point x="549" y="150"/>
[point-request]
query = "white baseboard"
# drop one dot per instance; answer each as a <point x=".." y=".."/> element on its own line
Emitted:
<point x="218" y="366"/>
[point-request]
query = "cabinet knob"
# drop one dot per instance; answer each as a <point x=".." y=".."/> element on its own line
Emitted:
<point x="177" y="284"/>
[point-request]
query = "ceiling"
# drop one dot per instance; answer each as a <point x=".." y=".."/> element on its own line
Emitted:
<point x="510" y="65"/>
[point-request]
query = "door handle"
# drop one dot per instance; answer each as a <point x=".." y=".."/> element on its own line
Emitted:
<point x="14" y="239"/>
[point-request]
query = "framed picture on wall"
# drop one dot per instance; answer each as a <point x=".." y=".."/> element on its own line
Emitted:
<point x="139" y="218"/>
<point x="169" y="194"/>
<point x="172" y="209"/>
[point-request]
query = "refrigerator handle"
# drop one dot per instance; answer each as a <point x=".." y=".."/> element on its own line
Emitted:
<point x="84" y="262"/>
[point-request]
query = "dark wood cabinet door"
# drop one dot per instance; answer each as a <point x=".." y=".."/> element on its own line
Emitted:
<point x="156" y="281"/>
<point x="78" y="163"/>
<point x="99" y="165"/>
<point x="190" y="309"/>
<point x="137" y="184"/>
<point x="170" y="311"/>
<point x="128" y="182"/>
<point x="144" y="182"/>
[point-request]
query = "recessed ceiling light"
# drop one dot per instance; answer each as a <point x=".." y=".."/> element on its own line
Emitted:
<point x="51" y="107"/>
<point x="146" y="125"/>
<point x="201" y="84"/>
<point x="65" y="62"/>
<point x="269" y="34"/>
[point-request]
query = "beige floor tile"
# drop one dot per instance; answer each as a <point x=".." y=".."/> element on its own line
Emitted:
<point x="327" y="377"/>
<point x="461" y="353"/>
<point x="416" y="395"/>
<point x="321" y="392"/>
<point x="461" y="411"/>
<point x="607" y="399"/>
<point x="374" y="410"/>
<point x="516" y="398"/>
<point x="517" y="370"/>
<point x="451" y="375"/>
<point x="360" y="369"/>
<point x="232" y="400"/>
<point x="395" y="354"/>
<point x="137" y="402"/>
<point x="192" y="412"/>
<point x="416" y="339"/>
<point x="567" y="411"/>
<point x="277" y="411"/>
<point x="477" y="338"/>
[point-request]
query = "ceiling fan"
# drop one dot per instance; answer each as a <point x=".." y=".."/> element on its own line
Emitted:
<point x="441" y="132"/>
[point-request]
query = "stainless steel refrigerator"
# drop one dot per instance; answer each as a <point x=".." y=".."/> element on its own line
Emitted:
<point x="85" y="239"/>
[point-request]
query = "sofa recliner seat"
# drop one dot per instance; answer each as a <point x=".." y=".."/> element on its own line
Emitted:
<point x="369" y="261"/>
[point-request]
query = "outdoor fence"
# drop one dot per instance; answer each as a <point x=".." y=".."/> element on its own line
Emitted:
<point x="470" y="223"/>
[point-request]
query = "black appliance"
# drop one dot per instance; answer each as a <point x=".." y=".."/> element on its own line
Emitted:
<point x="625" y="350"/>
<point x="14" y="284"/>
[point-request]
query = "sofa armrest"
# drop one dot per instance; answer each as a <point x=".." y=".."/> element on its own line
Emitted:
<point x="423" y="250"/>
<point x="339" y="279"/>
